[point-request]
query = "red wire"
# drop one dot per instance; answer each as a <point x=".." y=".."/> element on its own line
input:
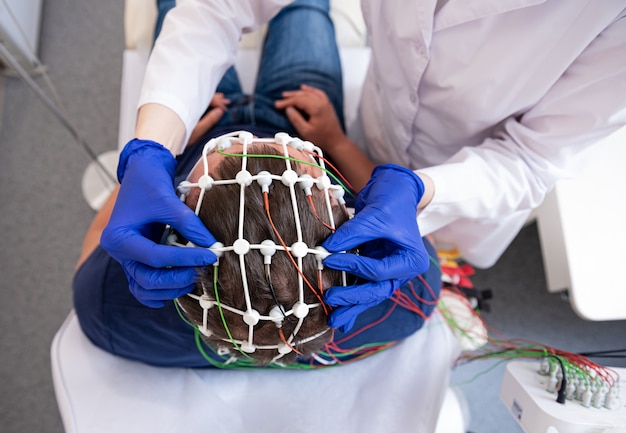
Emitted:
<point x="366" y="353"/>
<point x="343" y="179"/>
<point x="282" y="242"/>
<point x="435" y="298"/>
<point x="404" y="301"/>
<point x="366" y="327"/>
<point x="495" y="345"/>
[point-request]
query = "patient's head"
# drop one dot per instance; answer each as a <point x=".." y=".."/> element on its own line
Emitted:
<point x="284" y="290"/>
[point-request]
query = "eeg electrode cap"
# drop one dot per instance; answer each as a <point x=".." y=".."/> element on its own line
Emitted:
<point x="300" y="310"/>
<point x="299" y="249"/>
<point x="289" y="177"/>
<point x="205" y="302"/>
<point x="244" y="178"/>
<point x="283" y="349"/>
<point x="251" y="317"/>
<point x="205" y="182"/>
<point x="216" y="248"/>
<point x="241" y="246"/>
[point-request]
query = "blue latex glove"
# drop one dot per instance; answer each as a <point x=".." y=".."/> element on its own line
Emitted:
<point x="146" y="201"/>
<point x="391" y="249"/>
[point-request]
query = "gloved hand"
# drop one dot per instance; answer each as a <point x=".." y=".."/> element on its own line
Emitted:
<point x="391" y="248"/>
<point x="146" y="201"/>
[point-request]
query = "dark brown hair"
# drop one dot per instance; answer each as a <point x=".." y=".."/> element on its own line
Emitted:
<point x="219" y="212"/>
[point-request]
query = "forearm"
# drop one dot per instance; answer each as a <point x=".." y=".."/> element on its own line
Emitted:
<point x="357" y="167"/>
<point x="429" y="190"/>
<point x="353" y="164"/>
<point x="158" y="123"/>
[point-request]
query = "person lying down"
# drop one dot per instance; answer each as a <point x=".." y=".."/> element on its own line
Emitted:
<point x="270" y="203"/>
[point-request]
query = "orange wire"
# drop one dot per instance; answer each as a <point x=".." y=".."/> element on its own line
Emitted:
<point x="310" y="200"/>
<point x="284" y="340"/>
<point x="282" y="242"/>
<point x="319" y="281"/>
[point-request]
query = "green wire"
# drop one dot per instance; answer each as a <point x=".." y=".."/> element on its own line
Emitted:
<point x="355" y="350"/>
<point x="205" y="355"/>
<point x="248" y="363"/>
<point x="219" y="307"/>
<point x="181" y="315"/>
<point x="197" y="338"/>
<point x="254" y="155"/>
<point x="479" y="374"/>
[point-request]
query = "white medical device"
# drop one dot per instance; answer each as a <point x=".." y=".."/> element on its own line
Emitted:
<point x="590" y="407"/>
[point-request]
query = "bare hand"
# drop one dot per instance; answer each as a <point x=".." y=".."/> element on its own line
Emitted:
<point x="312" y="115"/>
<point x="218" y="105"/>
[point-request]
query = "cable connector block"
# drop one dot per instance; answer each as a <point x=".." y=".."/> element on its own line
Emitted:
<point x="523" y="391"/>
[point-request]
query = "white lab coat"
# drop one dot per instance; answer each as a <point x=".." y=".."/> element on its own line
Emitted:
<point x="492" y="99"/>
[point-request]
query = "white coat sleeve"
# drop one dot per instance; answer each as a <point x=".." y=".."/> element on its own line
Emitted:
<point x="511" y="172"/>
<point x="197" y="44"/>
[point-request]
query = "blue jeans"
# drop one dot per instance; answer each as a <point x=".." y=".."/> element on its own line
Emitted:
<point x="299" y="48"/>
<point x="163" y="6"/>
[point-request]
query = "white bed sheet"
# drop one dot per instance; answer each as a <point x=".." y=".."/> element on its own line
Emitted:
<point x="399" y="390"/>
